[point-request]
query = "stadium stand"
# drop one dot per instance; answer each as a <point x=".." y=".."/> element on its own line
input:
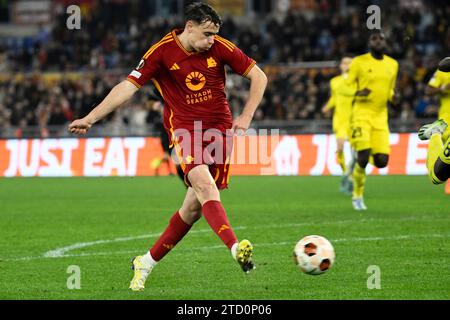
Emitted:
<point x="54" y="74"/>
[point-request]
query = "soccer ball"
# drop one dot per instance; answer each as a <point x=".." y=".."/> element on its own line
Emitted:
<point x="314" y="255"/>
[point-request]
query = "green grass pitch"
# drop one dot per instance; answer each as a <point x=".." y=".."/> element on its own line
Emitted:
<point x="99" y="224"/>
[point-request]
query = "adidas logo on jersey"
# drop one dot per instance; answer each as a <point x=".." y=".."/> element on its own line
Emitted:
<point x="175" y="67"/>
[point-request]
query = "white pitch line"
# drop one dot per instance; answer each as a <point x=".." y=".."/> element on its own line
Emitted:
<point x="62" y="252"/>
<point x="59" y="252"/>
<point x="268" y="244"/>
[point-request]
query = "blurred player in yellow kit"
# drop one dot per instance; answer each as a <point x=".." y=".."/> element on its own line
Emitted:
<point x="374" y="74"/>
<point x="439" y="85"/>
<point x="438" y="159"/>
<point x="340" y="102"/>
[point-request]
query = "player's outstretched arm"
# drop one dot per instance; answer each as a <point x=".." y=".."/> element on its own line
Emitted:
<point x="394" y="90"/>
<point x="258" y="83"/>
<point x="329" y="105"/>
<point x="436" y="85"/>
<point x="432" y="91"/>
<point x="116" y="97"/>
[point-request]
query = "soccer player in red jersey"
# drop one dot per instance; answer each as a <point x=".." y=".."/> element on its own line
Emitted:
<point x="188" y="68"/>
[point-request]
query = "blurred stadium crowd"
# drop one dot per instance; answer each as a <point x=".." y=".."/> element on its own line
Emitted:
<point x="114" y="36"/>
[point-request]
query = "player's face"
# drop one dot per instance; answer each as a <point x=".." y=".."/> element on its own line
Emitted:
<point x="377" y="42"/>
<point x="201" y="36"/>
<point x="345" y="64"/>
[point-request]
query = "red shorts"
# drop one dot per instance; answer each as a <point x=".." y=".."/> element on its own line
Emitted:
<point x="211" y="147"/>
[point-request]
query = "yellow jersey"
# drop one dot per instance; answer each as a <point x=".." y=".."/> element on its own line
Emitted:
<point x="439" y="80"/>
<point x="377" y="75"/>
<point x="342" y="96"/>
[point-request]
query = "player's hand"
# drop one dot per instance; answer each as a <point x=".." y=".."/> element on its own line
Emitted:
<point x="363" y="93"/>
<point x="241" y="124"/>
<point x="325" y="109"/>
<point x="80" y="126"/>
<point x="157" y="106"/>
<point x="396" y="98"/>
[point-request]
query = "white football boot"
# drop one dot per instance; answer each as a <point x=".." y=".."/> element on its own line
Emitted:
<point x="358" y="204"/>
<point x="141" y="272"/>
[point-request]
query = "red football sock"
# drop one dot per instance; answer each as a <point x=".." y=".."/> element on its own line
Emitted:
<point x="216" y="217"/>
<point x="174" y="232"/>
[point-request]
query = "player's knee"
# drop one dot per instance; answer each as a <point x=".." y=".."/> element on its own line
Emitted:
<point x="363" y="163"/>
<point x="207" y="190"/>
<point x="194" y="215"/>
<point x="380" y="160"/>
<point x="363" y="158"/>
<point x="195" y="211"/>
<point x="381" y="164"/>
<point x="440" y="173"/>
<point x="434" y="179"/>
<point x="190" y="214"/>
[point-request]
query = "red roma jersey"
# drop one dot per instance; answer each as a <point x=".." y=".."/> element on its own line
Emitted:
<point x="192" y="84"/>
